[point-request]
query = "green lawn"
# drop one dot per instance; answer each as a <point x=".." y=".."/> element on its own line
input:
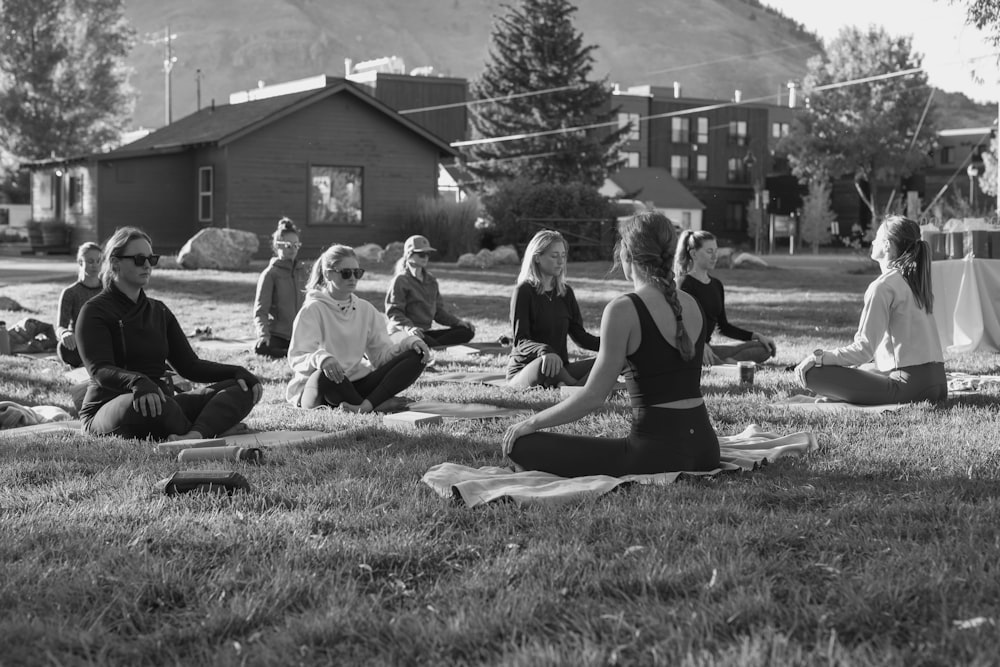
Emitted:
<point x="872" y="551"/>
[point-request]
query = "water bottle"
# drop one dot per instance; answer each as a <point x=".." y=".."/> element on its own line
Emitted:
<point x="4" y="339"/>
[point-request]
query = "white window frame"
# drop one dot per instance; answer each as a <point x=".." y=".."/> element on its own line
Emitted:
<point x="702" y="130"/>
<point x="206" y="194"/>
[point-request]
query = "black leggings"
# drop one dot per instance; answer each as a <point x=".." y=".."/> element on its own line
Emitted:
<point x="210" y="410"/>
<point x="446" y="337"/>
<point x="276" y="349"/>
<point x="377" y="387"/>
<point x="531" y="375"/>
<point x="68" y="356"/>
<point x="661" y="440"/>
<point x="866" y="386"/>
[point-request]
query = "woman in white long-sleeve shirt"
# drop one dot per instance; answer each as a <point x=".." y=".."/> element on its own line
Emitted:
<point x="896" y="355"/>
<point x="340" y="350"/>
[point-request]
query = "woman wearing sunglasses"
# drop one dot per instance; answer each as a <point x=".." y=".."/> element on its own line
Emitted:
<point x="127" y="341"/>
<point x="280" y="292"/>
<point x="413" y="303"/>
<point x="340" y="351"/>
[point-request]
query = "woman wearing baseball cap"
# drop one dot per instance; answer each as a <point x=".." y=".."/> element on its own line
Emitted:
<point x="413" y="303"/>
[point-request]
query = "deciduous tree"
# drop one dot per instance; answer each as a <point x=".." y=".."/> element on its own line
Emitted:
<point x="63" y="79"/>
<point x="876" y="129"/>
<point x="534" y="48"/>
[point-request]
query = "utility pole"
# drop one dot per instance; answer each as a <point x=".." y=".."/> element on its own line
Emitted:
<point x="168" y="65"/>
<point x="197" y="85"/>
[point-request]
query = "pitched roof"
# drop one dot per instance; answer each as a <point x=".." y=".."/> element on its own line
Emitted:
<point x="655" y="184"/>
<point x="224" y="123"/>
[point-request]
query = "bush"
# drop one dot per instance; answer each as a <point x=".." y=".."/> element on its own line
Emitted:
<point x="450" y="226"/>
<point x="573" y="207"/>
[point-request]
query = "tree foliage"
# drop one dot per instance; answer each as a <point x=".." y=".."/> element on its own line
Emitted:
<point x="63" y="79"/>
<point x="817" y="213"/>
<point x="985" y="15"/>
<point x="876" y="131"/>
<point x="988" y="179"/>
<point x="535" y="47"/>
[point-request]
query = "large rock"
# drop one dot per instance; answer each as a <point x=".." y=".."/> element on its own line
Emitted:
<point x="369" y="252"/>
<point x="392" y="252"/>
<point x="506" y="254"/>
<point x="217" y="248"/>
<point x="746" y="260"/>
<point x="483" y="259"/>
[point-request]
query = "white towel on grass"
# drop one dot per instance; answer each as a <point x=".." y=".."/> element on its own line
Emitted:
<point x="476" y="486"/>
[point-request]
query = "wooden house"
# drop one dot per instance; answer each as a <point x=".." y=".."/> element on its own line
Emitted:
<point x="342" y="164"/>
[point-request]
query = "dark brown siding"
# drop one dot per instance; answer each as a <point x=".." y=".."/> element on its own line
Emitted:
<point x="268" y="172"/>
<point x="402" y="92"/>
<point x="154" y="193"/>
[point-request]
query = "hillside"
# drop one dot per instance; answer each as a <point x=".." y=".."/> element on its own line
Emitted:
<point x="707" y="45"/>
<point x="712" y="47"/>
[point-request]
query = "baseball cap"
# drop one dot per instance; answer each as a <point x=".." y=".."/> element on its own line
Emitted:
<point x="417" y="243"/>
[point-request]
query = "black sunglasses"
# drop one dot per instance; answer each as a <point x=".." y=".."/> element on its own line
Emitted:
<point x="140" y="260"/>
<point x="347" y="273"/>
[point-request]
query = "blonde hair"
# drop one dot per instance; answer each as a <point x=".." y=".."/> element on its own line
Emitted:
<point x="113" y="247"/>
<point x="649" y="240"/>
<point x="330" y="256"/>
<point x="689" y="242"/>
<point x="540" y="243"/>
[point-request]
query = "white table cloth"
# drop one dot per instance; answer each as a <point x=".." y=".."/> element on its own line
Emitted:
<point x="967" y="303"/>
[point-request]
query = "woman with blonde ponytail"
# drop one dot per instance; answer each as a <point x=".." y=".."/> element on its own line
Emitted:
<point x="896" y="355"/>
<point x="656" y="333"/>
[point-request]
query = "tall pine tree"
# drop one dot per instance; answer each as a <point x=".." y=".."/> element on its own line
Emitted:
<point x="63" y="79"/>
<point x="535" y="47"/>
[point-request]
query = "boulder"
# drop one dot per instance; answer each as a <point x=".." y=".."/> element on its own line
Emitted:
<point x="392" y="252"/>
<point x="748" y="260"/>
<point x="506" y="254"/>
<point x="369" y="252"/>
<point x="7" y="303"/>
<point x="217" y="248"/>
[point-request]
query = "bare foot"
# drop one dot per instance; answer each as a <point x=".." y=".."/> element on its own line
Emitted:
<point x="364" y="407"/>
<point x="190" y="435"/>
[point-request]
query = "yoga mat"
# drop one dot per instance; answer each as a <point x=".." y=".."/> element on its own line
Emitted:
<point x="474" y="349"/>
<point x="223" y="343"/>
<point x="809" y="404"/>
<point x="40" y="356"/>
<point x="468" y="377"/>
<point x="745" y="451"/>
<point x="464" y="410"/>
<point x="262" y="439"/>
<point x="77" y="375"/>
<point x="48" y="427"/>
<point x="966" y="383"/>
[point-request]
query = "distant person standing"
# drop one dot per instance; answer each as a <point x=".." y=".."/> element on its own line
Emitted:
<point x="87" y="285"/>
<point x="697" y="253"/>
<point x="280" y="293"/>
<point x="413" y="303"/>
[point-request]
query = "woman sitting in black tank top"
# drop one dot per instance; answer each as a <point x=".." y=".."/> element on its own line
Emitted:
<point x="646" y="332"/>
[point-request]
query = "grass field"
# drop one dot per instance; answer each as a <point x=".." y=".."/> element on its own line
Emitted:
<point x="882" y="548"/>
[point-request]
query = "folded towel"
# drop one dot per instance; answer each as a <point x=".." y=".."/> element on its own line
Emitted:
<point x="476" y="486"/>
<point x="965" y="382"/>
<point x="15" y="415"/>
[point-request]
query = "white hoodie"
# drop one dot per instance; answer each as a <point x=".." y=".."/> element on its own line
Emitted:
<point x="356" y="338"/>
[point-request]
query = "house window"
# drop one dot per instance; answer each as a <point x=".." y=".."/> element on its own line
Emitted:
<point x="631" y="158"/>
<point x="631" y="119"/>
<point x="335" y="197"/>
<point x="685" y="219"/>
<point x="679" y="166"/>
<point x="76" y="193"/>
<point x="702" y="130"/>
<point x="736" y="171"/>
<point x="680" y="130"/>
<point x="738" y="132"/>
<point x="701" y="172"/>
<point x="947" y="154"/>
<point x="735" y="214"/>
<point x="779" y="130"/>
<point x="206" y="190"/>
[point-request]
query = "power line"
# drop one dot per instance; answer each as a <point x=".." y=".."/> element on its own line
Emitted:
<point x="742" y="56"/>
<point x="487" y="100"/>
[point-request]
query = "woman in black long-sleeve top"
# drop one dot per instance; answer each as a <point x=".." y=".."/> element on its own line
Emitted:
<point x="129" y="342"/>
<point x="543" y="311"/>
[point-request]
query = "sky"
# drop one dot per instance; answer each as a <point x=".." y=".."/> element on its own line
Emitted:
<point x="938" y="29"/>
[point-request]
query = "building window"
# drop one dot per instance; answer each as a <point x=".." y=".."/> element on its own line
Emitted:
<point x="685" y="219"/>
<point x="779" y="130"/>
<point x="738" y="132"/>
<point x="702" y="130"/>
<point x="701" y="172"/>
<point x="631" y="158"/>
<point x="947" y="154"/>
<point x="680" y="130"/>
<point x="625" y="119"/>
<point x="206" y="190"/>
<point x="736" y="171"/>
<point x="679" y="167"/>
<point x="76" y="193"/>
<point x="335" y="195"/>
<point x="735" y="214"/>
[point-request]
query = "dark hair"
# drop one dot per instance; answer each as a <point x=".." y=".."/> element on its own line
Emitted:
<point x="285" y="226"/>
<point x="911" y="256"/>
<point x="113" y="247"/>
<point x="649" y="240"/>
<point x="690" y="241"/>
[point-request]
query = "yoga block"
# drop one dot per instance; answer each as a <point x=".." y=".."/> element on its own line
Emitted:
<point x="411" y="419"/>
<point x="977" y="242"/>
<point x="955" y="245"/>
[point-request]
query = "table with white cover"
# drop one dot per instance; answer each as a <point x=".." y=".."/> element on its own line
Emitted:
<point x="967" y="303"/>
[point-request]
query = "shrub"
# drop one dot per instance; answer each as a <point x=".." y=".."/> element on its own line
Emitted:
<point x="573" y="207"/>
<point x="450" y="226"/>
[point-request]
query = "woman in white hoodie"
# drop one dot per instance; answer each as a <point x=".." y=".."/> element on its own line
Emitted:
<point x="340" y="350"/>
